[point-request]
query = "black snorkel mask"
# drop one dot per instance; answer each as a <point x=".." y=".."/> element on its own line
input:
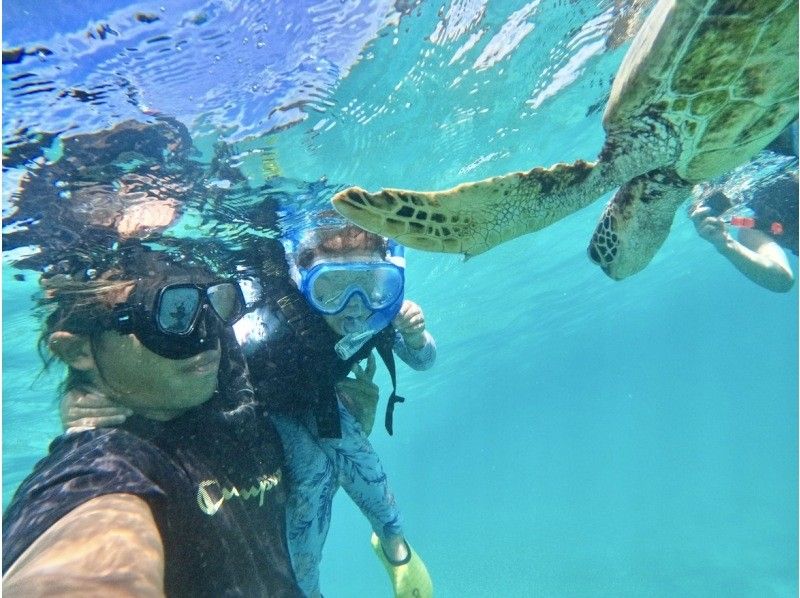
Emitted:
<point x="179" y="319"/>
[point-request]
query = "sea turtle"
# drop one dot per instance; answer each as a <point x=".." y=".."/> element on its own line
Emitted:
<point x="705" y="85"/>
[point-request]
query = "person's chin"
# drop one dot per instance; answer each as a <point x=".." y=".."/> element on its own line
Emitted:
<point x="195" y="392"/>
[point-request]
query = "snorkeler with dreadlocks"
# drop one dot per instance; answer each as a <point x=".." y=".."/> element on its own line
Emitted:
<point x="187" y="497"/>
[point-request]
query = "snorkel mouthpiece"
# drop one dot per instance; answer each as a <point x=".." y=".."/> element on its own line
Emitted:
<point x="349" y="344"/>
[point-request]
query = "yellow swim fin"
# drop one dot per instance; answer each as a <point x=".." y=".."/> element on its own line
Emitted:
<point x="409" y="579"/>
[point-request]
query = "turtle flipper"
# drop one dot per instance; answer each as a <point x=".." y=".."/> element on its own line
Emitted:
<point x="636" y="222"/>
<point x="474" y="217"/>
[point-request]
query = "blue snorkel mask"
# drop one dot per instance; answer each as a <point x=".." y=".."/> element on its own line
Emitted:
<point x="329" y="286"/>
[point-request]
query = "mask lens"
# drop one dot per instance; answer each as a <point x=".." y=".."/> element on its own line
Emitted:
<point x="204" y="337"/>
<point x="227" y="301"/>
<point x="330" y="287"/>
<point x="177" y="309"/>
<point x="388" y="284"/>
<point x="378" y="284"/>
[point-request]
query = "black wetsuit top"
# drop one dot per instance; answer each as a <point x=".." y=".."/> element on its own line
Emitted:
<point x="182" y="469"/>
<point x="294" y="374"/>
<point x="775" y="210"/>
<point x="293" y="364"/>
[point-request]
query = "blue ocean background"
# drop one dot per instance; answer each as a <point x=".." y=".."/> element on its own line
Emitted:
<point x="577" y="436"/>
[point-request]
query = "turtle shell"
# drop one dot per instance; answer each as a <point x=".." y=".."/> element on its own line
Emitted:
<point x="718" y="76"/>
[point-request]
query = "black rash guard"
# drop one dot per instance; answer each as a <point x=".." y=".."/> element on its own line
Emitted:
<point x="292" y="359"/>
<point x="775" y="208"/>
<point x="213" y="484"/>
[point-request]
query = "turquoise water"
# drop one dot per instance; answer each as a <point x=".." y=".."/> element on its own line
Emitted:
<point x="577" y="436"/>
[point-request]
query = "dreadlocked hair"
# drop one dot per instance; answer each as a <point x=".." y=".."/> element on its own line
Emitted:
<point x="78" y="306"/>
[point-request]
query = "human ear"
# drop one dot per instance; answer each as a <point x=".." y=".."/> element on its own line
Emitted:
<point x="73" y="349"/>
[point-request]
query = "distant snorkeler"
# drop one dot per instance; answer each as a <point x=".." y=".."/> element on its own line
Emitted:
<point x="770" y="227"/>
<point x="187" y="497"/>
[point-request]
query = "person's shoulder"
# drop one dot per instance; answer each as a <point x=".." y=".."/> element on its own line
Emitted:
<point x="98" y="457"/>
<point x="114" y="441"/>
<point x="79" y="467"/>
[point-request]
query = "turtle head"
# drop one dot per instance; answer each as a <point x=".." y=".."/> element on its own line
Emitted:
<point x="603" y="247"/>
<point x="635" y="223"/>
<point x="620" y="245"/>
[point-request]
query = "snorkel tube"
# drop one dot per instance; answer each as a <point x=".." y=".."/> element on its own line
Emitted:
<point x="379" y="319"/>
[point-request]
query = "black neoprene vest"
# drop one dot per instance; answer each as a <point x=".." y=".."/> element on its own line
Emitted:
<point x="215" y="491"/>
<point x="297" y="370"/>
<point x="775" y="208"/>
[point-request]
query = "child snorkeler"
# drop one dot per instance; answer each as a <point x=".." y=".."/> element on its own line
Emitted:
<point x="347" y="299"/>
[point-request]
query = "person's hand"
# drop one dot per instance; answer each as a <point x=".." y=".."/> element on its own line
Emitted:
<point x="710" y="228"/>
<point x="360" y="394"/>
<point x="85" y="409"/>
<point x="410" y="322"/>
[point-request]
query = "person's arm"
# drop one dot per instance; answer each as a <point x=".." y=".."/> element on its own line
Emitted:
<point x="108" y="546"/>
<point x="414" y="344"/>
<point x="763" y="261"/>
<point x="757" y="256"/>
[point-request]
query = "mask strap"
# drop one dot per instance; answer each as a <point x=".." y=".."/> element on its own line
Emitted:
<point x="396" y="254"/>
<point x="388" y="359"/>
